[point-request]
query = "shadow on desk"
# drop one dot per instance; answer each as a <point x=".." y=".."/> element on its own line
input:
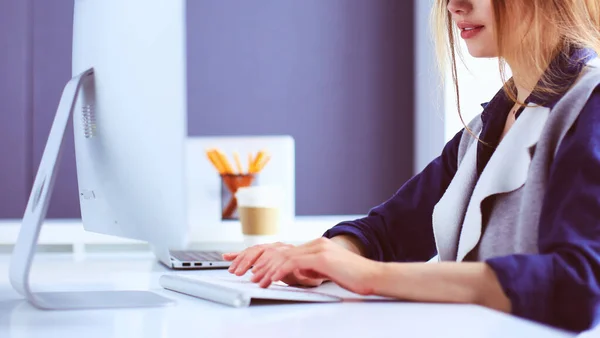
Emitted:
<point x="7" y="307"/>
<point x="19" y="318"/>
<point x="264" y="302"/>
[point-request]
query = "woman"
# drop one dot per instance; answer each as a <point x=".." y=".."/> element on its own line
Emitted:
<point x="512" y="205"/>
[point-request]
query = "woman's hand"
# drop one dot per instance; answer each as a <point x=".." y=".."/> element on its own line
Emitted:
<point x="243" y="261"/>
<point x="323" y="259"/>
<point x="319" y="259"/>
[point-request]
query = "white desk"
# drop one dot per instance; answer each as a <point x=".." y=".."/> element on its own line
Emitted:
<point x="193" y="317"/>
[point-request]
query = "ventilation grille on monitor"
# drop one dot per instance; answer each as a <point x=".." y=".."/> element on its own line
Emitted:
<point x="89" y="121"/>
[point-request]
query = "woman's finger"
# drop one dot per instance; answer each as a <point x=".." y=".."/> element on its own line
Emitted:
<point x="259" y="272"/>
<point x="301" y="262"/>
<point x="248" y="260"/>
<point x="270" y="262"/>
<point x="241" y="256"/>
<point x="270" y="267"/>
<point x="266" y="281"/>
<point x="257" y="254"/>
<point x="266" y="260"/>
<point x="297" y="275"/>
<point x="257" y="276"/>
<point x="259" y="266"/>
<point x="310" y="274"/>
<point x="230" y="256"/>
<point x="269" y="253"/>
<point x="236" y="261"/>
<point x="299" y="278"/>
<point x="295" y="278"/>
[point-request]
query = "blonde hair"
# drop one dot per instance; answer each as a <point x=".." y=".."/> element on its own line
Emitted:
<point x="553" y="27"/>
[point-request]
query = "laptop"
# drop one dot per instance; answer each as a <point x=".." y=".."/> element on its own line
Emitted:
<point x="194" y="260"/>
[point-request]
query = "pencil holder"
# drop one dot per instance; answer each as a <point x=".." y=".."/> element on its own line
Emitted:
<point x="230" y="183"/>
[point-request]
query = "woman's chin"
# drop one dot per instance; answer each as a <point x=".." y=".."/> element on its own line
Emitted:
<point x="478" y="52"/>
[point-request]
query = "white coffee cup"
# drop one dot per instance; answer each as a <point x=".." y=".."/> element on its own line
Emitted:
<point x="259" y="213"/>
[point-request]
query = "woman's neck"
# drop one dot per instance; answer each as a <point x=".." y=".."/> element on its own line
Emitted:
<point x="522" y="92"/>
<point x="526" y="76"/>
<point x="524" y="82"/>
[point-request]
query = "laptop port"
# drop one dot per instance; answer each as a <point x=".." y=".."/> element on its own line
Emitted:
<point x="197" y="264"/>
<point x="186" y="264"/>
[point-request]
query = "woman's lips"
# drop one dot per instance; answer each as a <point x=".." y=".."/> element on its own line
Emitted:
<point x="469" y="32"/>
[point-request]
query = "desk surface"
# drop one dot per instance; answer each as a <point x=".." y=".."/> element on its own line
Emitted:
<point x="192" y="317"/>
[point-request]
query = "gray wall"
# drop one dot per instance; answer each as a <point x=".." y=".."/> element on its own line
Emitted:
<point x="15" y="105"/>
<point x="429" y="91"/>
<point x="337" y="75"/>
<point x="52" y="38"/>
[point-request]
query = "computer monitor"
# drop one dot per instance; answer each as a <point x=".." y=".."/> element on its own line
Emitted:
<point x="130" y="122"/>
<point x="128" y="102"/>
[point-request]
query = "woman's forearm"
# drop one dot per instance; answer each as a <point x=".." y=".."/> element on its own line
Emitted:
<point x="473" y="283"/>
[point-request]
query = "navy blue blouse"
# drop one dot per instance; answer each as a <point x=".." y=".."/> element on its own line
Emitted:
<point x="560" y="285"/>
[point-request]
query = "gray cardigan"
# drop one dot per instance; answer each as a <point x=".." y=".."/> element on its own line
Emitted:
<point x="516" y="173"/>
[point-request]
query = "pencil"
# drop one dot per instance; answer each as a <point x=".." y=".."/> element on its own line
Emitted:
<point x="257" y="161"/>
<point x="224" y="162"/>
<point x="262" y="165"/>
<point x="214" y="160"/>
<point x="238" y="162"/>
<point x="250" y="162"/>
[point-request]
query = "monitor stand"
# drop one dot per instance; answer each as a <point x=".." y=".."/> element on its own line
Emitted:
<point x="35" y="213"/>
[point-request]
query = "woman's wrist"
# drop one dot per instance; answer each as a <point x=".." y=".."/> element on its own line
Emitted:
<point x="376" y="277"/>
<point x="350" y="243"/>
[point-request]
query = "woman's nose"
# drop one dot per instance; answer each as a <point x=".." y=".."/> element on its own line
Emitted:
<point x="459" y="7"/>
